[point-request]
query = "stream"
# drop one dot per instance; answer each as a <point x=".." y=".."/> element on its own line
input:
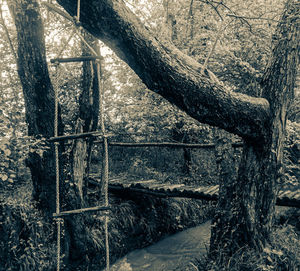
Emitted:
<point x="169" y="253"/>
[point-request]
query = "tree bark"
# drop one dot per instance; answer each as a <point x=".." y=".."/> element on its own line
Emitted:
<point x="39" y="97"/>
<point x="171" y="73"/>
<point x="247" y="205"/>
<point x="87" y="120"/>
<point x="227" y="202"/>
<point x="80" y="157"/>
<point x="259" y="121"/>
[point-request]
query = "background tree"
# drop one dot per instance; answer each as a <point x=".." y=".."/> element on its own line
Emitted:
<point x="38" y="96"/>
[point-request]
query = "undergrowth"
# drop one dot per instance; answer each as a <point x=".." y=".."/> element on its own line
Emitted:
<point x="28" y="237"/>
<point x="141" y="221"/>
<point x="282" y="255"/>
<point x="26" y="240"/>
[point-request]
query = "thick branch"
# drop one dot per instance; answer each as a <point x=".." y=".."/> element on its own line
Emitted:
<point x="169" y="72"/>
<point x="280" y="77"/>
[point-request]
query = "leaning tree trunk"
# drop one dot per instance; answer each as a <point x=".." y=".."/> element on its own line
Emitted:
<point x="39" y="98"/>
<point x="247" y="206"/>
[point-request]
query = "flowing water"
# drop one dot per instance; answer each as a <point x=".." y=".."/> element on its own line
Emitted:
<point x="169" y="253"/>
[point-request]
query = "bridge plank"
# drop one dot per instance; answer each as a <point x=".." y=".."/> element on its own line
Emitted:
<point x="154" y="186"/>
<point x="282" y="194"/>
<point x="292" y="194"/>
<point x="160" y="189"/>
<point x="297" y="196"/>
<point x="200" y="189"/>
<point x="174" y="187"/>
<point x="210" y="189"/>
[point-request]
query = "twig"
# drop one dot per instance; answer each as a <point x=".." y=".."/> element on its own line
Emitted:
<point x="243" y="20"/>
<point x="251" y="18"/>
<point x="7" y="34"/>
<point x="220" y="31"/>
<point x="210" y="3"/>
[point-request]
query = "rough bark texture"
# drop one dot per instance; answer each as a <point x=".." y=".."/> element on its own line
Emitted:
<point x="38" y="95"/>
<point x="249" y="203"/>
<point x="166" y="70"/>
<point x="228" y="201"/>
<point x="87" y="120"/>
<point x="259" y="121"/>
<point x="80" y="158"/>
<point x="169" y="72"/>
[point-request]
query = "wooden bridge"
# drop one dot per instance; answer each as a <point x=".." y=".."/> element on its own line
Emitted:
<point x="159" y="189"/>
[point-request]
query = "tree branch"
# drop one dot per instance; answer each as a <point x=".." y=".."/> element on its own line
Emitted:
<point x="280" y="77"/>
<point x="2" y="22"/>
<point x="172" y="74"/>
<point x="251" y="18"/>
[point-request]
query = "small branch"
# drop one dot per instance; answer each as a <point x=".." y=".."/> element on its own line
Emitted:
<point x="75" y="22"/>
<point x="243" y="20"/>
<point x="251" y="18"/>
<point x="220" y="32"/>
<point x="7" y="34"/>
<point x="76" y="136"/>
<point x="75" y="59"/>
<point x="215" y="8"/>
<point x="80" y="211"/>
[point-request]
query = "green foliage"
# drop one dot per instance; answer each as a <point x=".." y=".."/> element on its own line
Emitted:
<point x="141" y="221"/>
<point x="14" y="151"/>
<point x="13" y="143"/>
<point x="292" y="156"/>
<point x="282" y="255"/>
<point x="27" y="240"/>
<point x="12" y="114"/>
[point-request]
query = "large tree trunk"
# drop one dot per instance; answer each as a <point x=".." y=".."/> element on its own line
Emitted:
<point x="259" y="121"/>
<point x="227" y="206"/>
<point x="39" y="97"/>
<point x="246" y="205"/>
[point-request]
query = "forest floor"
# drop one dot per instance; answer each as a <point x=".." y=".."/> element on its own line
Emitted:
<point x="28" y="237"/>
<point x="28" y="241"/>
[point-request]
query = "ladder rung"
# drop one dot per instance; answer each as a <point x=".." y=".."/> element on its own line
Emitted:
<point x="75" y="59"/>
<point x="74" y="136"/>
<point x="79" y="211"/>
